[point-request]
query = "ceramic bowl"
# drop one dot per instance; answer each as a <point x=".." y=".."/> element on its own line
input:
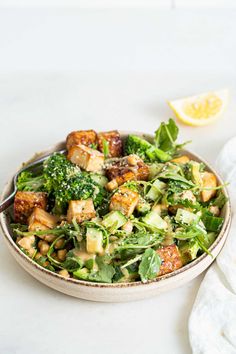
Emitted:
<point x="120" y="291"/>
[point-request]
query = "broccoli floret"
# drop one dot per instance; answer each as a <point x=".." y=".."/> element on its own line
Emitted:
<point x="141" y="147"/>
<point x="27" y="182"/>
<point x="64" y="182"/>
<point x="58" y="171"/>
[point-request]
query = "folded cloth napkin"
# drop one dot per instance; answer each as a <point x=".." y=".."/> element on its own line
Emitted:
<point x="212" y="323"/>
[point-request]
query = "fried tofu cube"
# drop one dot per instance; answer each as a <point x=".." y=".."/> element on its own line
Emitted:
<point x="114" y="142"/>
<point x="86" y="158"/>
<point x="208" y="181"/>
<point x="171" y="259"/>
<point x="129" y="168"/>
<point x="41" y="220"/>
<point x="25" y="202"/>
<point x="81" y="210"/>
<point x="84" y="137"/>
<point x="182" y="159"/>
<point x="124" y="200"/>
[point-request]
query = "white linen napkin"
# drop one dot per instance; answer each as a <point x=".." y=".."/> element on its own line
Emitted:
<point x="212" y="323"/>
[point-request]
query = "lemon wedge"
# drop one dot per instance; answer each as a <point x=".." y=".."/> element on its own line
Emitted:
<point x="201" y="109"/>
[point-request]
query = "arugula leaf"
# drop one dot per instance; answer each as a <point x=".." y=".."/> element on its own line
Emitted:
<point x="149" y="265"/>
<point x="189" y="232"/>
<point x="166" y="135"/>
<point x="175" y="177"/>
<point x="72" y="262"/>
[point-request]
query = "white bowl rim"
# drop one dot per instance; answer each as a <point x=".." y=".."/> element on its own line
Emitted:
<point x="8" y="236"/>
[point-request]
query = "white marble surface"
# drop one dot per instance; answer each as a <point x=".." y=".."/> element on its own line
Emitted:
<point x="65" y="70"/>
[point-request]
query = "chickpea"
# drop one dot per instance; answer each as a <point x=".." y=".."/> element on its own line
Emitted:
<point x="64" y="273"/>
<point x="215" y="210"/>
<point x="38" y="256"/>
<point x="27" y="242"/>
<point x="54" y="256"/>
<point x="43" y="247"/>
<point x="59" y="244"/>
<point x="46" y="264"/>
<point x="110" y="186"/>
<point x="18" y="239"/>
<point x="61" y="254"/>
<point x="50" y="238"/>
<point x="31" y="252"/>
<point x="132" y="160"/>
<point x="128" y="227"/>
<point x="159" y="208"/>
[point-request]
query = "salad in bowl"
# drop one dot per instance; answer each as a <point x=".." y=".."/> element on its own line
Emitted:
<point x="115" y="209"/>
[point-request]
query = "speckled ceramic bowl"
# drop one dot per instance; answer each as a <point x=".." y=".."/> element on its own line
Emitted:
<point x="119" y="291"/>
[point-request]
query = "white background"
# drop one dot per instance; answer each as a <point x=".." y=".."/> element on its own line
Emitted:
<point x="71" y="68"/>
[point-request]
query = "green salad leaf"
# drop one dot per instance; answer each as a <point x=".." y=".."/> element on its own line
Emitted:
<point x="149" y="265"/>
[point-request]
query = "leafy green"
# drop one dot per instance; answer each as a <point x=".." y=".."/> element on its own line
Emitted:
<point x="166" y="136"/>
<point x="189" y="232"/>
<point x="72" y="262"/>
<point x="149" y="265"/>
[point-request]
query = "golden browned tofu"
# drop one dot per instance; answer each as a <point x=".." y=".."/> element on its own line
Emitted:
<point x="171" y="259"/>
<point x="114" y="142"/>
<point x="124" y="200"/>
<point x="84" y="137"/>
<point x="86" y="158"/>
<point x="129" y="168"/>
<point x="81" y="210"/>
<point x="41" y="220"/>
<point x="208" y="181"/>
<point x="25" y="202"/>
<point x="182" y="159"/>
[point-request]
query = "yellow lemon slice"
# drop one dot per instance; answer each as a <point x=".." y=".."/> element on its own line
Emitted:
<point x="201" y="109"/>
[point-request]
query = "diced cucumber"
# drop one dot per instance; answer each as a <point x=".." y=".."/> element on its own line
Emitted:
<point x="114" y="220"/>
<point x="154" y="169"/>
<point x="185" y="216"/>
<point x="195" y="172"/>
<point x="188" y="251"/>
<point x="99" y="179"/>
<point x="90" y="263"/>
<point x="156" y="190"/>
<point x="94" y="240"/>
<point x="154" y="219"/>
<point x="212" y="223"/>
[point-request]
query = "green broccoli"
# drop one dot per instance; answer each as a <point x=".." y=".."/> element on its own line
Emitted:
<point x="58" y="171"/>
<point x="141" y="147"/>
<point x="30" y="183"/>
<point x="64" y="182"/>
